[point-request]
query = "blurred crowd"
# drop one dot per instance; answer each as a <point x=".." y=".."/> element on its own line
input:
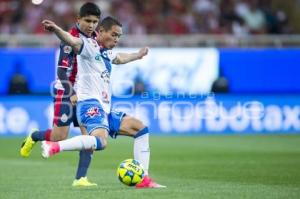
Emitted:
<point x="238" y="17"/>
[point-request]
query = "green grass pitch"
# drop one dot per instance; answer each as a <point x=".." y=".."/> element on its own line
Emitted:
<point x="192" y="167"/>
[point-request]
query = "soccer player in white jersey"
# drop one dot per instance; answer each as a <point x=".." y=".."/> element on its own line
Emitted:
<point x="94" y="96"/>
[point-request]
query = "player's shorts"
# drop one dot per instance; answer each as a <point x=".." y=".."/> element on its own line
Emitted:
<point x="64" y="111"/>
<point x="91" y="115"/>
<point x="114" y="119"/>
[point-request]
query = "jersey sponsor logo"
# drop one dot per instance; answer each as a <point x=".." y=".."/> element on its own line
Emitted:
<point x="67" y="49"/>
<point x="92" y="112"/>
<point x="104" y="54"/>
<point x="107" y="54"/>
<point x="105" y="76"/>
<point x="98" y="57"/>
<point x="65" y="62"/>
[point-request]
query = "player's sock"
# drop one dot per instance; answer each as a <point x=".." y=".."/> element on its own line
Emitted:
<point x="85" y="157"/>
<point x="81" y="142"/>
<point x="41" y="135"/>
<point x="141" y="148"/>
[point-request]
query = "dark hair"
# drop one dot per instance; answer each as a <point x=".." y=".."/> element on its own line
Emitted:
<point x="89" y="9"/>
<point x="109" y="22"/>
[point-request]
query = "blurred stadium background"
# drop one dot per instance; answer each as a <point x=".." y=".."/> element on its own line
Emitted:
<point x="215" y="67"/>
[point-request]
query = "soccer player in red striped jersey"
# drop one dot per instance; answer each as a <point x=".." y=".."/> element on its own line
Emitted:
<point x="65" y="94"/>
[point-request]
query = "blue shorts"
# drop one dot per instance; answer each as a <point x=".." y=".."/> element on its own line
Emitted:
<point x="64" y="111"/>
<point x="91" y="115"/>
<point x="114" y="120"/>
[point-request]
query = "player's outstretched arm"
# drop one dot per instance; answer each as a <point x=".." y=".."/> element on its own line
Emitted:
<point x="123" y="58"/>
<point x="64" y="36"/>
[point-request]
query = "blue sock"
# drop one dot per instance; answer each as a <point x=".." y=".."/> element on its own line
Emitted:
<point x="41" y="135"/>
<point x="142" y="132"/>
<point x="98" y="144"/>
<point x="85" y="158"/>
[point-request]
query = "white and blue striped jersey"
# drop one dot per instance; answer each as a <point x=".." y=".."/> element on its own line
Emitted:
<point x="93" y="77"/>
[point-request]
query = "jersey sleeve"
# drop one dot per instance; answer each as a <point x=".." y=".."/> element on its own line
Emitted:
<point x="66" y="55"/>
<point x="86" y="50"/>
<point x="111" y="55"/>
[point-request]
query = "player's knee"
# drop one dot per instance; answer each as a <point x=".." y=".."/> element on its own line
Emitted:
<point x="141" y="132"/>
<point x="137" y="125"/>
<point x="101" y="136"/>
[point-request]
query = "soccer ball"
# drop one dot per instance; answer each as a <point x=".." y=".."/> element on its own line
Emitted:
<point x="130" y="172"/>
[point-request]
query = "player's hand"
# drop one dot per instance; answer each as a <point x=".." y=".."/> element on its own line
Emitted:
<point x="143" y="52"/>
<point x="49" y="25"/>
<point x="73" y="99"/>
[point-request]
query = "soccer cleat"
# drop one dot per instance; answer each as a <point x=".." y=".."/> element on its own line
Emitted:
<point x="147" y="182"/>
<point x="49" y="148"/>
<point x="83" y="182"/>
<point x="27" y="145"/>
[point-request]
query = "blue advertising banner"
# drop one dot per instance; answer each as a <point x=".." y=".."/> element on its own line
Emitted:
<point x="37" y="65"/>
<point x="261" y="70"/>
<point x="171" y="70"/>
<point x="225" y="114"/>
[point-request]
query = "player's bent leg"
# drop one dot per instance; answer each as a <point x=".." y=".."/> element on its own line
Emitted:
<point x="135" y="128"/>
<point x="130" y="126"/>
<point x="142" y="154"/>
<point x="34" y="136"/>
<point x="81" y="180"/>
<point x="96" y="141"/>
<point x="62" y="108"/>
<point x="55" y="134"/>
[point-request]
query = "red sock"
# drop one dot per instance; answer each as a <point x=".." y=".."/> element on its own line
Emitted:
<point x="48" y="135"/>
